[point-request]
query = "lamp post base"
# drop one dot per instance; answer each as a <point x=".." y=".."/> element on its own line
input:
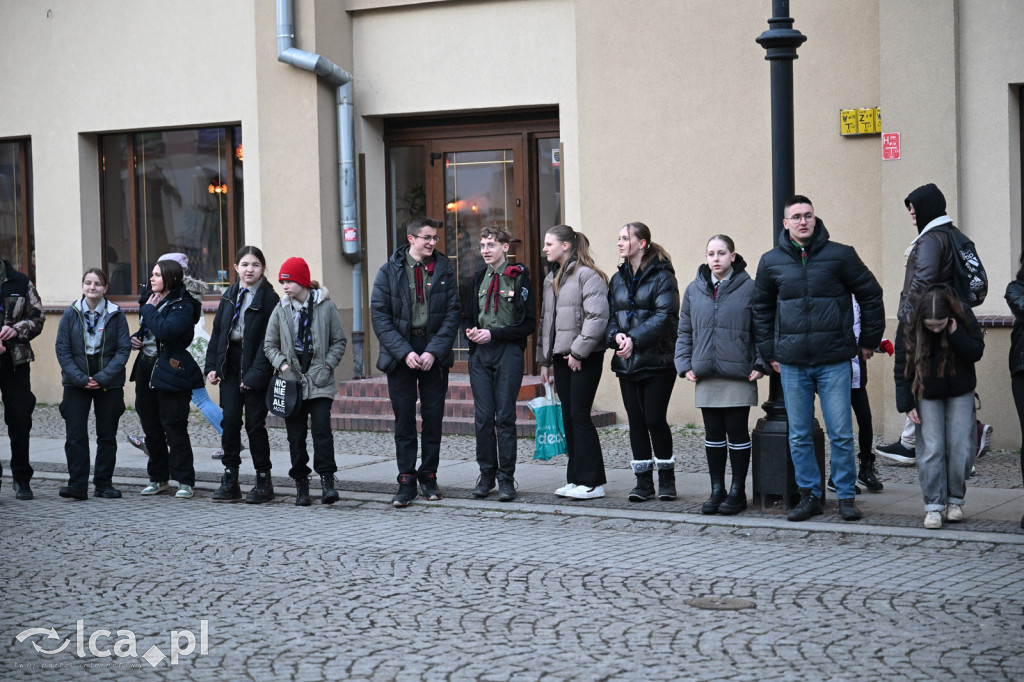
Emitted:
<point x="772" y="472"/>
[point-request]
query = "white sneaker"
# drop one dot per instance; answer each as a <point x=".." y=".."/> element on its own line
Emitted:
<point x="155" y="487"/>
<point x="582" y="492"/>
<point x="954" y="512"/>
<point x="933" y="520"/>
<point x="564" y="490"/>
<point x="184" y="491"/>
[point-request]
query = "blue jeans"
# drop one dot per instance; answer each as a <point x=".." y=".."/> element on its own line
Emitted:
<point x="210" y="410"/>
<point x="832" y="384"/>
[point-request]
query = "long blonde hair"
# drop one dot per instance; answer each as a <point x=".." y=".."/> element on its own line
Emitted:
<point x="579" y="248"/>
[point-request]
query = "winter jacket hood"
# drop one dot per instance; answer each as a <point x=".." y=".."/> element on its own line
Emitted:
<point x="929" y="204"/>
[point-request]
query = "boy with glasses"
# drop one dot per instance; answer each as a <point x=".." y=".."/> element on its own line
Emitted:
<point x="414" y="309"/>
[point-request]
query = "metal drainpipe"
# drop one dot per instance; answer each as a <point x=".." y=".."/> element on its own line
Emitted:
<point x="342" y="80"/>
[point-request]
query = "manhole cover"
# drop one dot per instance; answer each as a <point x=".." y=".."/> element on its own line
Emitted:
<point x="721" y="603"/>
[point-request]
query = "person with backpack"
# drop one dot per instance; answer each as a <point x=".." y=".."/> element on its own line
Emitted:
<point x="933" y="258"/>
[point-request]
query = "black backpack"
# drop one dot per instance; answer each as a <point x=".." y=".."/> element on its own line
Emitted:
<point x="970" y="279"/>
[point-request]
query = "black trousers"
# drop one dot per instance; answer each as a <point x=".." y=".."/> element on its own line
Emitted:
<point x="1017" y="387"/>
<point x="164" y="417"/>
<point x="19" y="402"/>
<point x="109" y="406"/>
<point x="315" y="413"/>
<point x="235" y="402"/>
<point x="496" y="374"/>
<point x="646" y="403"/>
<point x="576" y="390"/>
<point x="405" y="386"/>
<point x="865" y="429"/>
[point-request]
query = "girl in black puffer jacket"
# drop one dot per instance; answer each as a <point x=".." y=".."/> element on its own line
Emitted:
<point x="643" y="300"/>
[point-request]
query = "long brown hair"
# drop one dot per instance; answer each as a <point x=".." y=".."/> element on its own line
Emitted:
<point x="937" y="302"/>
<point x="641" y="231"/>
<point x="579" y="248"/>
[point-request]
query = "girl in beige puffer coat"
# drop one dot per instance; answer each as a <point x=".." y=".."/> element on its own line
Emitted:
<point x="570" y="352"/>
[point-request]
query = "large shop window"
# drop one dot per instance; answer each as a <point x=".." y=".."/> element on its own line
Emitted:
<point x="166" y="191"/>
<point x="17" y="239"/>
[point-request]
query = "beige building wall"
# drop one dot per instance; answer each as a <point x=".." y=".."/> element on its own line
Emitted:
<point x="675" y="131"/>
<point x="949" y="87"/>
<point x="82" y="69"/>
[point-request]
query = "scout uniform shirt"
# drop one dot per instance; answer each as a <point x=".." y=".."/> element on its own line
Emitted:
<point x="419" y="292"/>
<point x="496" y="295"/>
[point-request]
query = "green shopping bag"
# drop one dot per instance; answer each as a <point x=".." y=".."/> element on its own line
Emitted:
<point x="547" y="410"/>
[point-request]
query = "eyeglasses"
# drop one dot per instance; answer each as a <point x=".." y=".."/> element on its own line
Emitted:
<point x="809" y="217"/>
<point x="431" y="238"/>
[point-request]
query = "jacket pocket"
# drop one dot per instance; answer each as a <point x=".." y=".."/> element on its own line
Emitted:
<point x="320" y="375"/>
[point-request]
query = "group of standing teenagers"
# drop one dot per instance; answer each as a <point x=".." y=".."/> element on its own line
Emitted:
<point x="708" y="339"/>
<point x="255" y="333"/>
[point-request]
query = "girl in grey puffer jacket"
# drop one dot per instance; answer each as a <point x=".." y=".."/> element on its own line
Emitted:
<point x="716" y="350"/>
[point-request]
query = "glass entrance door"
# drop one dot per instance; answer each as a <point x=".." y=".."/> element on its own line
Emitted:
<point x="481" y="185"/>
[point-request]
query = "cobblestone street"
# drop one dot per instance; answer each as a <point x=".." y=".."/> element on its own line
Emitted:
<point x="465" y="592"/>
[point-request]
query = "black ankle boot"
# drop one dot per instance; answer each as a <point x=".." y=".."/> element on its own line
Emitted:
<point x="263" y="491"/>
<point x="644" y="489"/>
<point x="714" y="502"/>
<point x="736" y="501"/>
<point x="329" y="494"/>
<point x="228" y="490"/>
<point x="666" y="478"/>
<point x="302" y="492"/>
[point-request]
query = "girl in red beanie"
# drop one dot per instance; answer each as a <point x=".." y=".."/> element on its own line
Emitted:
<point x="305" y="342"/>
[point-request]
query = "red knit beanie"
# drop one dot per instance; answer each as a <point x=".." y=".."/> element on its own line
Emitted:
<point x="295" y="270"/>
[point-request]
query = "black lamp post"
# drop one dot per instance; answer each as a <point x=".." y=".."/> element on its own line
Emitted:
<point x="773" y="478"/>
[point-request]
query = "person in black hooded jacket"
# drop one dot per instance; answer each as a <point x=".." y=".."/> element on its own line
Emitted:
<point x="643" y="306"/>
<point x="930" y="260"/>
<point x="165" y="374"/>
